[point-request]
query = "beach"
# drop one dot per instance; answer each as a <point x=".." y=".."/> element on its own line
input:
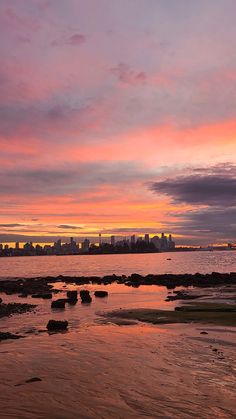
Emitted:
<point x="101" y="367"/>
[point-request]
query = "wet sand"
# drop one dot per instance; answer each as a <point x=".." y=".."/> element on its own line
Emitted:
<point x="101" y="370"/>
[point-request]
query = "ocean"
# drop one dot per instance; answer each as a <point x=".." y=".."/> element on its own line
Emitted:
<point x="149" y="263"/>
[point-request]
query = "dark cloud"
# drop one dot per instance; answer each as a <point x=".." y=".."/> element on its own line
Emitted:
<point x="214" y="187"/>
<point x="76" y="39"/>
<point x="13" y="225"/>
<point x="70" y="178"/>
<point x="203" y="225"/>
<point x="128" y="76"/>
<point x="212" y="193"/>
<point x="130" y="230"/>
<point x="69" y="227"/>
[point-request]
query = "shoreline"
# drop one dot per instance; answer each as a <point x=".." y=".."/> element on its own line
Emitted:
<point x="215" y="294"/>
<point x="170" y="281"/>
<point x="176" y="250"/>
<point x="55" y="371"/>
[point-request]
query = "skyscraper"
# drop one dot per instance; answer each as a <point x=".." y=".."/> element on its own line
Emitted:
<point x="133" y="239"/>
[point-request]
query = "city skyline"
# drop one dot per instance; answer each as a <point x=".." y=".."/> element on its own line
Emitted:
<point x="110" y="123"/>
<point x="113" y="244"/>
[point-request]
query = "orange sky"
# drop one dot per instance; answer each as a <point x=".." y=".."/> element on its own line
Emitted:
<point x="104" y="103"/>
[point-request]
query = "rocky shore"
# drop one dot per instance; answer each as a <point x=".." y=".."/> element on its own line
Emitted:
<point x="215" y="294"/>
<point x="210" y="313"/>
<point x="7" y="310"/>
<point x="43" y="287"/>
<point x="84" y="327"/>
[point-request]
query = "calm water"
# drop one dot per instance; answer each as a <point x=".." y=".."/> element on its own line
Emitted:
<point x="192" y="262"/>
<point x="101" y="370"/>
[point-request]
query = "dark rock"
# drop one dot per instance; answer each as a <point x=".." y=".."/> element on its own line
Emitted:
<point x="136" y="277"/>
<point x="101" y="294"/>
<point x="46" y="296"/>
<point x="8" y="335"/>
<point x="72" y="295"/>
<point x="15" y="308"/>
<point x="32" y="286"/>
<point x="33" y="380"/>
<point x="54" y="325"/>
<point x="181" y="295"/>
<point x="85" y="296"/>
<point x="203" y="333"/>
<point x="59" y="303"/>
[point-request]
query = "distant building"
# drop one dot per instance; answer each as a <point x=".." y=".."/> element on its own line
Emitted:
<point x="146" y="238"/>
<point x="164" y="242"/>
<point x="133" y="239"/>
<point x="57" y="246"/>
<point x="17" y="246"/>
<point x="85" y="245"/>
<point x="156" y="241"/>
<point x="171" y="243"/>
<point x="113" y="240"/>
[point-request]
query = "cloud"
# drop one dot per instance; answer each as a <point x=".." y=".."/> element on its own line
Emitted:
<point x="211" y="193"/>
<point x="128" y="76"/>
<point x="209" y="223"/>
<point x="76" y="39"/>
<point x="214" y="186"/>
<point x="71" y="178"/>
<point x="69" y="227"/>
<point x="13" y="225"/>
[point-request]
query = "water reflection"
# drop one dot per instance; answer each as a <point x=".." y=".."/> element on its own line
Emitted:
<point x="192" y="262"/>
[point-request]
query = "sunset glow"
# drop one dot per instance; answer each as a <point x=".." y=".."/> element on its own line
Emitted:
<point x="108" y="119"/>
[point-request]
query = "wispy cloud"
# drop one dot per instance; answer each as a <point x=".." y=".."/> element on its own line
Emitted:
<point x="69" y="227"/>
<point x="76" y="39"/>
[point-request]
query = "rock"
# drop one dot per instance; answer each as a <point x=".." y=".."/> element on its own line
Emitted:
<point x="72" y="295"/>
<point x="101" y="294"/>
<point x="15" y="308"/>
<point x="58" y="303"/>
<point x="8" y="335"/>
<point x="33" y="380"/>
<point x="85" y="296"/>
<point x="0" y="300"/>
<point x="136" y="277"/>
<point x="54" y="325"/>
<point x="45" y="296"/>
<point x="203" y="333"/>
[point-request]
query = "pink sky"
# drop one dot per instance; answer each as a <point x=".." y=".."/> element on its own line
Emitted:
<point x="118" y="117"/>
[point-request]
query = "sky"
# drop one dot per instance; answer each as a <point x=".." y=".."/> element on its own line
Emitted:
<point x="118" y="117"/>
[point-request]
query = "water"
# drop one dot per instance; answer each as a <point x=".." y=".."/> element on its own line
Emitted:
<point x="183" y="262"/>
<point x="102" y="370"/>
